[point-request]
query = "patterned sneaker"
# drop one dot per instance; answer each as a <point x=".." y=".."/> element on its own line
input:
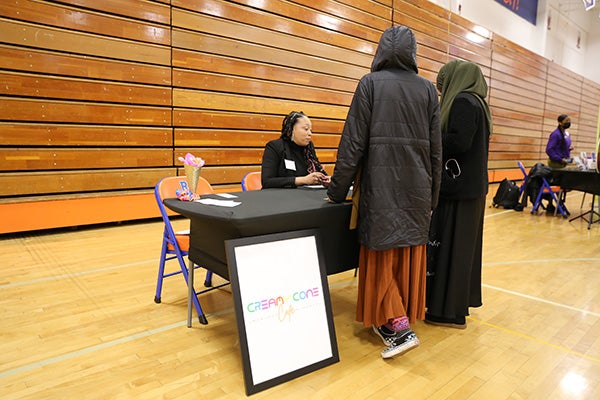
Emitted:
<point x="405" y="341"/>
<point x="387" y="335"/>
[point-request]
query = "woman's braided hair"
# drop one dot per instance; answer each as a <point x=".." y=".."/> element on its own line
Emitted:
<point x="287" y="126"/>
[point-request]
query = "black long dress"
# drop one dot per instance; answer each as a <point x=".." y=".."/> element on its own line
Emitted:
<point x="454" y="250"/>
<point x="454" y="258"/>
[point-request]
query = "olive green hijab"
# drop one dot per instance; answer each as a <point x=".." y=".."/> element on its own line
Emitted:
<point x="461" y="77"/>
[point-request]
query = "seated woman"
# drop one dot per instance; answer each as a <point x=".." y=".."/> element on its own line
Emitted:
<point x="291" y="161"/>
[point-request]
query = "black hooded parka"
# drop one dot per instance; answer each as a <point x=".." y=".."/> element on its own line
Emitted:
<point x="392" y="136"/>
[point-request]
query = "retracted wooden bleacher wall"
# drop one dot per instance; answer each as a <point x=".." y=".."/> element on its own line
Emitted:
<point x="99" y="98"/>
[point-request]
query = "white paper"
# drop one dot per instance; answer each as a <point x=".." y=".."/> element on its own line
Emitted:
<point x="227" y="195"/>
<point x="220" y="203"/>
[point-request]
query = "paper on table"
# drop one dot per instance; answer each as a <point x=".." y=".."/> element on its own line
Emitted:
<point x="221" y="203"/>
<point x="227" y="195"/>
<point x="315" y="186"/>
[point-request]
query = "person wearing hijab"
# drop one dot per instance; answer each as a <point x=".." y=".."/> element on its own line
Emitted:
<point x="291" y="161"/>
<point x="455" y="237"/>
<point x="390" y="151"/>
<point x="559" y="145"/>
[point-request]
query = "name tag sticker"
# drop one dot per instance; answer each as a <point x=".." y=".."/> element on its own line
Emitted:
<point x="290" y="164"/>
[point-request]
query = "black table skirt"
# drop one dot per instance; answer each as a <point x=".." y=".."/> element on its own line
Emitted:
<point x="264" y="212"/>
<point x="584" y="181"/>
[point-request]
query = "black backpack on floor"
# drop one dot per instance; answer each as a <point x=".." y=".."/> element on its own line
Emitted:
<point x="507" y="195"/>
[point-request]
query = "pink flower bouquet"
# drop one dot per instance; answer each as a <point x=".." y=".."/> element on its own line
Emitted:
<point x="190" y="159"/>
<point x="192" y="165"/>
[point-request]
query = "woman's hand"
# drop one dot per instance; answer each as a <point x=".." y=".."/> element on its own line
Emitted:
<point x="314" y="178"/>
<point x="326" y="180"/>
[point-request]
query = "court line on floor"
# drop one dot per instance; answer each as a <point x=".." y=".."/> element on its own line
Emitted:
<point x="539" y="299"/>
<point x="126" y="339"/>
<point x="348" y="282"/>
<point x="526" y="296"/>
<point x="101" y="346"/>
<point x="498" y="213"/>
<point x="532" y="338"/>
<point x="540" y="260"/>
<point x="73" y="274"/>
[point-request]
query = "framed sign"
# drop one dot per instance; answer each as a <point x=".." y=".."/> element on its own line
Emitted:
<point x="282" y="305"/>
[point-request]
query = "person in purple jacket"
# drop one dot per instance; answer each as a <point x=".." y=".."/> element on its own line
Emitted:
<point x="559" y="144"/>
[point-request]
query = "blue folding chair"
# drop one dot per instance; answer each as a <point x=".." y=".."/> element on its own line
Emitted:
<point x="175" y="245"/>
<point x="555" y="194"/>
<point x="522" y="168"/>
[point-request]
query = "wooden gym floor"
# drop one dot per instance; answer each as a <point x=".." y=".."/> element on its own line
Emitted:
<point x="79" y="322"/>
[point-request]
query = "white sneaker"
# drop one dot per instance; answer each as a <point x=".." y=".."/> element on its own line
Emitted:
<point x="404" y="342"/>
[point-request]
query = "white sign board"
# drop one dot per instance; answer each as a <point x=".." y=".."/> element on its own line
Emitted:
<point x="282" y="307"/>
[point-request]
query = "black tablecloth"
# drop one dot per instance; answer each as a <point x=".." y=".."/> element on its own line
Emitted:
<point x="571" y="179"/>
<point x="269" y="211"/>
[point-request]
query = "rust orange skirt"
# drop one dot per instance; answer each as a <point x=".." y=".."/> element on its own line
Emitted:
<point x="391" y="283"/>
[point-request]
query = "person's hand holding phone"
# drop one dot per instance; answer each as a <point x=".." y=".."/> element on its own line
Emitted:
<point x="325" y="180"/>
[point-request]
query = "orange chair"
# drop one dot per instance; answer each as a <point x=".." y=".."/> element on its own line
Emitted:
<point x="175" y="245"/>
<point x="252" y="181"/>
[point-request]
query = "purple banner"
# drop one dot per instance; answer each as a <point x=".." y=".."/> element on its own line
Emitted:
<point x="523" y="8"/>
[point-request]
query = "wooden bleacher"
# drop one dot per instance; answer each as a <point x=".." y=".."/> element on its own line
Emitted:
<point x="100" y="99"/>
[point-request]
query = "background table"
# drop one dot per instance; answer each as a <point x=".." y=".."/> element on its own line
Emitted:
<point x="584" y="181"/>
<point x="269" y="211"/>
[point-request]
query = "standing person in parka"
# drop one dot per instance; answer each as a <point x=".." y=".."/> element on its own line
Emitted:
<point x="390" y="150"/>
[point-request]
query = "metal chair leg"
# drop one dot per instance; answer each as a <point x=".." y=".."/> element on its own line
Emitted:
<point x="208" y="278"/>
<point x="192" y="297"/>
<point x="191" y="292"/>
<point x="161" y="272"/>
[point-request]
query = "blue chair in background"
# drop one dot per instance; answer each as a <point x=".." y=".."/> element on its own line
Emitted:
<point x="555" y="193"/>
<point x="522" y="168"/>
<point x="552" y="193"/>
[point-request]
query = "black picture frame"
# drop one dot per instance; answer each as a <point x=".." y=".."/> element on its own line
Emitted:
<point x="282" y="306"/>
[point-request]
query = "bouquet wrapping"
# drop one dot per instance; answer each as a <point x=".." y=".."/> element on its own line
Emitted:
<point x="192" y="166"/>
